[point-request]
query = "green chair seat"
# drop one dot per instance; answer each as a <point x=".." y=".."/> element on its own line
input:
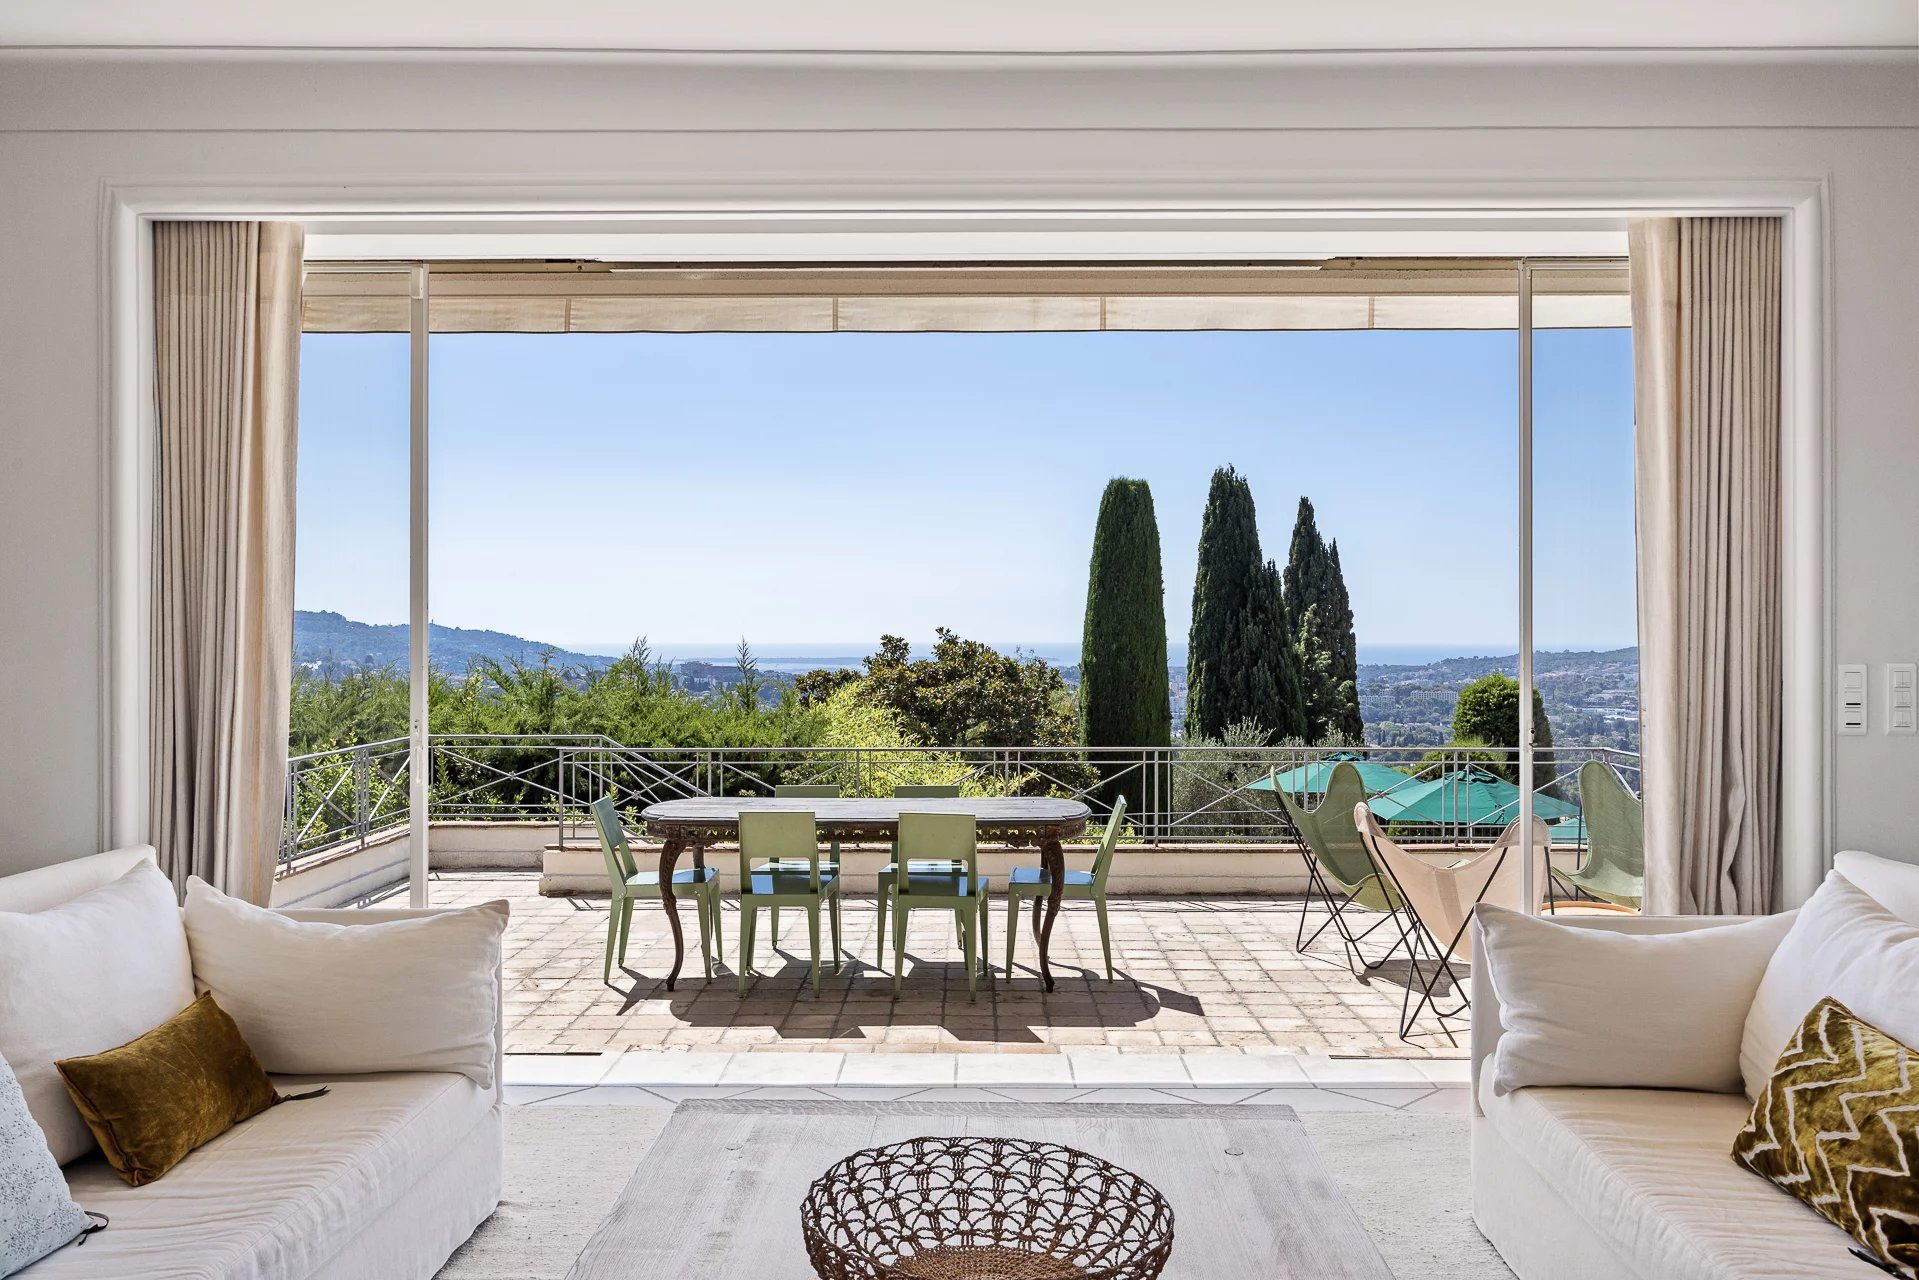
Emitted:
<point x="952" y="885"/>
<point x="789" y="882"/>
<point x="1037" y="875"/>
<point x="683" y="875"/>
<point x="1081" y="886"/>
<point x="628" y="884"/>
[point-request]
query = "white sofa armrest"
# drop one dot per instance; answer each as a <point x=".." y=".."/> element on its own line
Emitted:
<point x="1487" y="1027"/>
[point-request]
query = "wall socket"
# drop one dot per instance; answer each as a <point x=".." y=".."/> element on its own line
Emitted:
<point x="1852" y="698"/>
<point x="1902" y="685"/>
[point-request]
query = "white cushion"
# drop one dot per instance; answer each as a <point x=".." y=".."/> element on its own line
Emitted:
<point x="1651" y="1171"/>
<point x="85" y="976"/>
<point x="402" y="995"/>
<point x="1844" y="945"/>
<point x="37" y="1215"/>
<point x="1893" y="885"/>
<point x="278" y="1196"/>
<point x="1622" y="1010"/>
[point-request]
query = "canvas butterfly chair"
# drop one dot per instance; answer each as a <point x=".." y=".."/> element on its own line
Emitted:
<point x="1340" y="872"/>
<point x="1439" y="904"/>
<point x="1614" y="870"/>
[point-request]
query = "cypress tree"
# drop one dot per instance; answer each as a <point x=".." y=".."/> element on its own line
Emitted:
<point x="1240" y="663"/>
<point x="1322" y="614"/>
<point x="1124" y="694"/>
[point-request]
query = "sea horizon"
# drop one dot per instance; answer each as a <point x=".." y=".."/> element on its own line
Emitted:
<point x="795" y="657"/>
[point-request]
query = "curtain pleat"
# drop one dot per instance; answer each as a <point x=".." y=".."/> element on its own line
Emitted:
<point x="226" y="379"/>
<point x="1706" y="334"/>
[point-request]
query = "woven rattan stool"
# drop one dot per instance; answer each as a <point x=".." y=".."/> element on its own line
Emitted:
<point x="984" y="1209"/>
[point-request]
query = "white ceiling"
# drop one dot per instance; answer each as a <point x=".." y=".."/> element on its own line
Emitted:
<point x="986" y="26"/>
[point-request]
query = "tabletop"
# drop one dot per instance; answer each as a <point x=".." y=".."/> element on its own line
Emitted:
<point x="706" y="810"/>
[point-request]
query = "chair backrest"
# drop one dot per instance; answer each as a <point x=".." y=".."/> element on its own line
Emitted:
<point x="1329" y="830"/>
<point x="613" y="847"/>
<point x="778" y="837"/>
<point x="1103" y="860"/>
<point x="926" y="791"/>
<point x="1443" y="898"/>
<point x="948" y="837"/>
<point x="805" y="791"/>
<point x="1615" y="819"/>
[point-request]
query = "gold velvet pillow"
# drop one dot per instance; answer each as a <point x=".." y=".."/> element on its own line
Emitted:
<point x="154" y="1099"/>
<point x="1838" y="1126"/>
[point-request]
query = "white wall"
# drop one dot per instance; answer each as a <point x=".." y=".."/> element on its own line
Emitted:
<point x="855" y="131"/>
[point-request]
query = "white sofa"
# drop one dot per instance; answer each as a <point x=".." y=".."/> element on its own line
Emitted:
<point x="1631" y="1184"/>
<point x="381" y="1179"/>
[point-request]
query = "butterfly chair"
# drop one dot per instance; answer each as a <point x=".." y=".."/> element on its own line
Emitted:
<point x="1440" y="902"/>
<point x="629" y="884"/>
<point x="953" y="839"/>
<point x="1339" y="871"/>
<point x="913" y="791"/>
<point x="1080" y="886"/>
<point x="791" y="877"/>
<point x="1614" y="870"/>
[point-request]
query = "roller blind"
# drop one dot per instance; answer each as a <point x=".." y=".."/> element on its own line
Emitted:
<point x="610" y="298"/>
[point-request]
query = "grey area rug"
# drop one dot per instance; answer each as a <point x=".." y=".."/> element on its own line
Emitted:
<point x="1405" y="1176"/>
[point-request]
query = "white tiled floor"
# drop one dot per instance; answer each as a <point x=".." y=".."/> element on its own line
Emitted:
<point x="1305" y="1082"/>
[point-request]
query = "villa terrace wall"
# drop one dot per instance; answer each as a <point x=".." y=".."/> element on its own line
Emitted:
<point x="573" y="867"/>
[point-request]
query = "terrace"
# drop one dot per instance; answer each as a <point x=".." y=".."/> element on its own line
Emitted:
<point x="1208" y="904"/>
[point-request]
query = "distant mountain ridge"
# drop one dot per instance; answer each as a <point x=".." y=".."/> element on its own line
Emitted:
<point x="332" y="643"/>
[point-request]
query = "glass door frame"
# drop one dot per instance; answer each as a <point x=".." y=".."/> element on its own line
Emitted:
<point x="1529" y="886"/>
<point x="414" y="277"/>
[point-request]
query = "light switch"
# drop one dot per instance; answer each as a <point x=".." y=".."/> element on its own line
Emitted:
<point x="1852" y="699"/>
<point x="1902" y="687"/>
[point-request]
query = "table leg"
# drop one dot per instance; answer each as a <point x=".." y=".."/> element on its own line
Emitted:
<point x="670" y="854"/>
<point x="1053" y="859"/>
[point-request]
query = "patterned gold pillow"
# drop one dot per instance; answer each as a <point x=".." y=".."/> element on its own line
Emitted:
<point x="1838" y="1126"/>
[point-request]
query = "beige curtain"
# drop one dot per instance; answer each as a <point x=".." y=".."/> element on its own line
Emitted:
<point x="226" y="375"/>
<point x="1706" y="331"/>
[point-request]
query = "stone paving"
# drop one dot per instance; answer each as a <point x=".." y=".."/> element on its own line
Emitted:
<point x="1192" y="976"/>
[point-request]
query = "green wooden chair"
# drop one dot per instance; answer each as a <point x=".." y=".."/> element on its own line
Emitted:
<point x="629" y="884"/>
<point x="1080" y="886"/>
<point x="793" y="876"/>
<point x="951" y="838"/>
<point x="1340" y="871"/>
<point x="1614" y="869"/>
<point x="831" y="862"/>
<point x="884" y="881"/>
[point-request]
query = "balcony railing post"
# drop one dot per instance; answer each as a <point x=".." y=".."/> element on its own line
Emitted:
<point x="362" y="813"/>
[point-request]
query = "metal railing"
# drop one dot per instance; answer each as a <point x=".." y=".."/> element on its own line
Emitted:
<point x="1176" y="795"/>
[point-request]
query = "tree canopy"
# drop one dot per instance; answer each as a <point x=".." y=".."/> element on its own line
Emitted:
<point x="1488" y="714"/>
<point x="968" y="694"/>
<point x="1322" y="614"/>
<point x="1240" y="662"/>
<point x="1124" y="694"/>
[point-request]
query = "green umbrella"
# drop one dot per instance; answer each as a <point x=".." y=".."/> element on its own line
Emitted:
<point x="1469" y="797"/>
<point x="1311" y="779"/>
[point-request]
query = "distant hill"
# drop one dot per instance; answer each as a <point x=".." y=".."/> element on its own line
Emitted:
<point x="1592" y="698"/>
<point x="332" y="644"/>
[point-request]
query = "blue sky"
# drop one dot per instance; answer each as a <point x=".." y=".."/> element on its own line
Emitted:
<point x="821" y="489"/>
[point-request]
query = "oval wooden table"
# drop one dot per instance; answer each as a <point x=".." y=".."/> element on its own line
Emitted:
<point x="692" y="825"/>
